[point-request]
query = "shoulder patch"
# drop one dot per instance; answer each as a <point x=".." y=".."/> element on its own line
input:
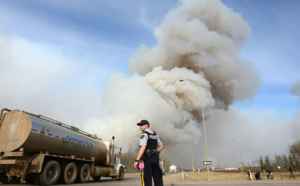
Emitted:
<point x="142" y="136"/>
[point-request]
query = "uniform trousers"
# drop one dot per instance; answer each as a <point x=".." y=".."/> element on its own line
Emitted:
<point x="152" y="169"/>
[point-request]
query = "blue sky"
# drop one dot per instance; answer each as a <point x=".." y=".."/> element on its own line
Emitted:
<point x="273" y="46"/>
<point x="62" y="53"/>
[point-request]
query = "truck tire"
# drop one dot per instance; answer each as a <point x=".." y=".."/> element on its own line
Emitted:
<point x="121" y="174"/>
<point x="84" y="173"/>
<point x="68" y="173"/>
<point x="50" y="173"/>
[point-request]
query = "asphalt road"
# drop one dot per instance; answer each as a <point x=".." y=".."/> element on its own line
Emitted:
<point x="134" y="180"/>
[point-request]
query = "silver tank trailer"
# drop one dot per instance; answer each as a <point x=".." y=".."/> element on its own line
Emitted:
<point x="37" y="134"/>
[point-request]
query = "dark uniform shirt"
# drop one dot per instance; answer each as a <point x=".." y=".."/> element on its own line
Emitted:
<point x="144" y="138"/>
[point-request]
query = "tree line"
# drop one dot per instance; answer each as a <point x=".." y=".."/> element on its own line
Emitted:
<point x="285" y="161"/>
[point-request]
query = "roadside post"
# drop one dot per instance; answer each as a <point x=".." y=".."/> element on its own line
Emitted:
<point x="280" y="172"/>
<point x="207" y="163"/>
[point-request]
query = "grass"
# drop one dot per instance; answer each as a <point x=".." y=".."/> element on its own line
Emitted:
<point x="229" y="176"/>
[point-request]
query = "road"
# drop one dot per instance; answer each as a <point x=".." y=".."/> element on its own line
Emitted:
<point x="175" y="180"/>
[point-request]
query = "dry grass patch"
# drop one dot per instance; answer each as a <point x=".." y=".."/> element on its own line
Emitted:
<point x="225" y="176"/>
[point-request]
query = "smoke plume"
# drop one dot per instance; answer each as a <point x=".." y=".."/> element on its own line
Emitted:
<point x="198" y="43"/>
<point x="204" y="37"/>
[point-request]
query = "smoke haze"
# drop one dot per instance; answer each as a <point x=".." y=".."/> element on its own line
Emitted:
<point x="199" y="43"/>
<point x="38" y="78"/>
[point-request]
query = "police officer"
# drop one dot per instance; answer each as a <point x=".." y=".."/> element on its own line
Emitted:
<point x="150" y="147"/>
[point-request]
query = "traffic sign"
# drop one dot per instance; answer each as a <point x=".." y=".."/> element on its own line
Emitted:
<point x="207" y="162"/>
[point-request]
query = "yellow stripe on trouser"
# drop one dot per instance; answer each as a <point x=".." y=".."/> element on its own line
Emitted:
<point x="143" y="181"/>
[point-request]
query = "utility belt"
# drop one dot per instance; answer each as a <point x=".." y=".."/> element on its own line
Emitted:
<point x="149" y="153"/>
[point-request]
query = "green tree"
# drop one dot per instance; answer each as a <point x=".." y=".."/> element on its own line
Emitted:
<point x="285" y="162"/>
<point x="277" y="162"/>
<point x="294" y="155"/>
<point x="261" y="163"/>
<point x="292" y="159"/>
<point x="291" y="162"/>
<point x="267" y="163"/>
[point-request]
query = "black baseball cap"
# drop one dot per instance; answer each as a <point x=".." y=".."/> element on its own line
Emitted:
<point x="143" y="122"/>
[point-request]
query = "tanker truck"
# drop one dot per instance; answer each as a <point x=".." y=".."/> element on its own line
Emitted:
<point x="43" y="151"/>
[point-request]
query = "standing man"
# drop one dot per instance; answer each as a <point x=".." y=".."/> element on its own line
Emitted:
<point x="150" y="147"/>
<point x="292" y="173"/>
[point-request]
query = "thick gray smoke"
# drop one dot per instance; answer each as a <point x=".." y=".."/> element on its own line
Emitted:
<point x="199" y="43"/>
<point x="205" y="37"/>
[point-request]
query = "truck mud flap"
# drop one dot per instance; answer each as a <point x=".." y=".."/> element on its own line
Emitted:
<point x="37" y="163"/>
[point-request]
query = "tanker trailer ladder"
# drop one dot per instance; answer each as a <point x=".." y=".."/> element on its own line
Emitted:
<point x="2" y="114"/>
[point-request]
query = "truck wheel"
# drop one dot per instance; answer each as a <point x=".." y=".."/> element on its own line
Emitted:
<point x="97" y="178"/>
<point x="84" y="173"/>
<point x="121" y="174"/>
<point x="68" y="173"/>
<point x="50" y="173"/>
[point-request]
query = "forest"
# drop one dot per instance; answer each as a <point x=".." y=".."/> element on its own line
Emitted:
<point x="282" y="162"/>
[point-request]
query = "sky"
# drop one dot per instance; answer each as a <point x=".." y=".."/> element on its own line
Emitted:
<point x="105" y="65"/>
